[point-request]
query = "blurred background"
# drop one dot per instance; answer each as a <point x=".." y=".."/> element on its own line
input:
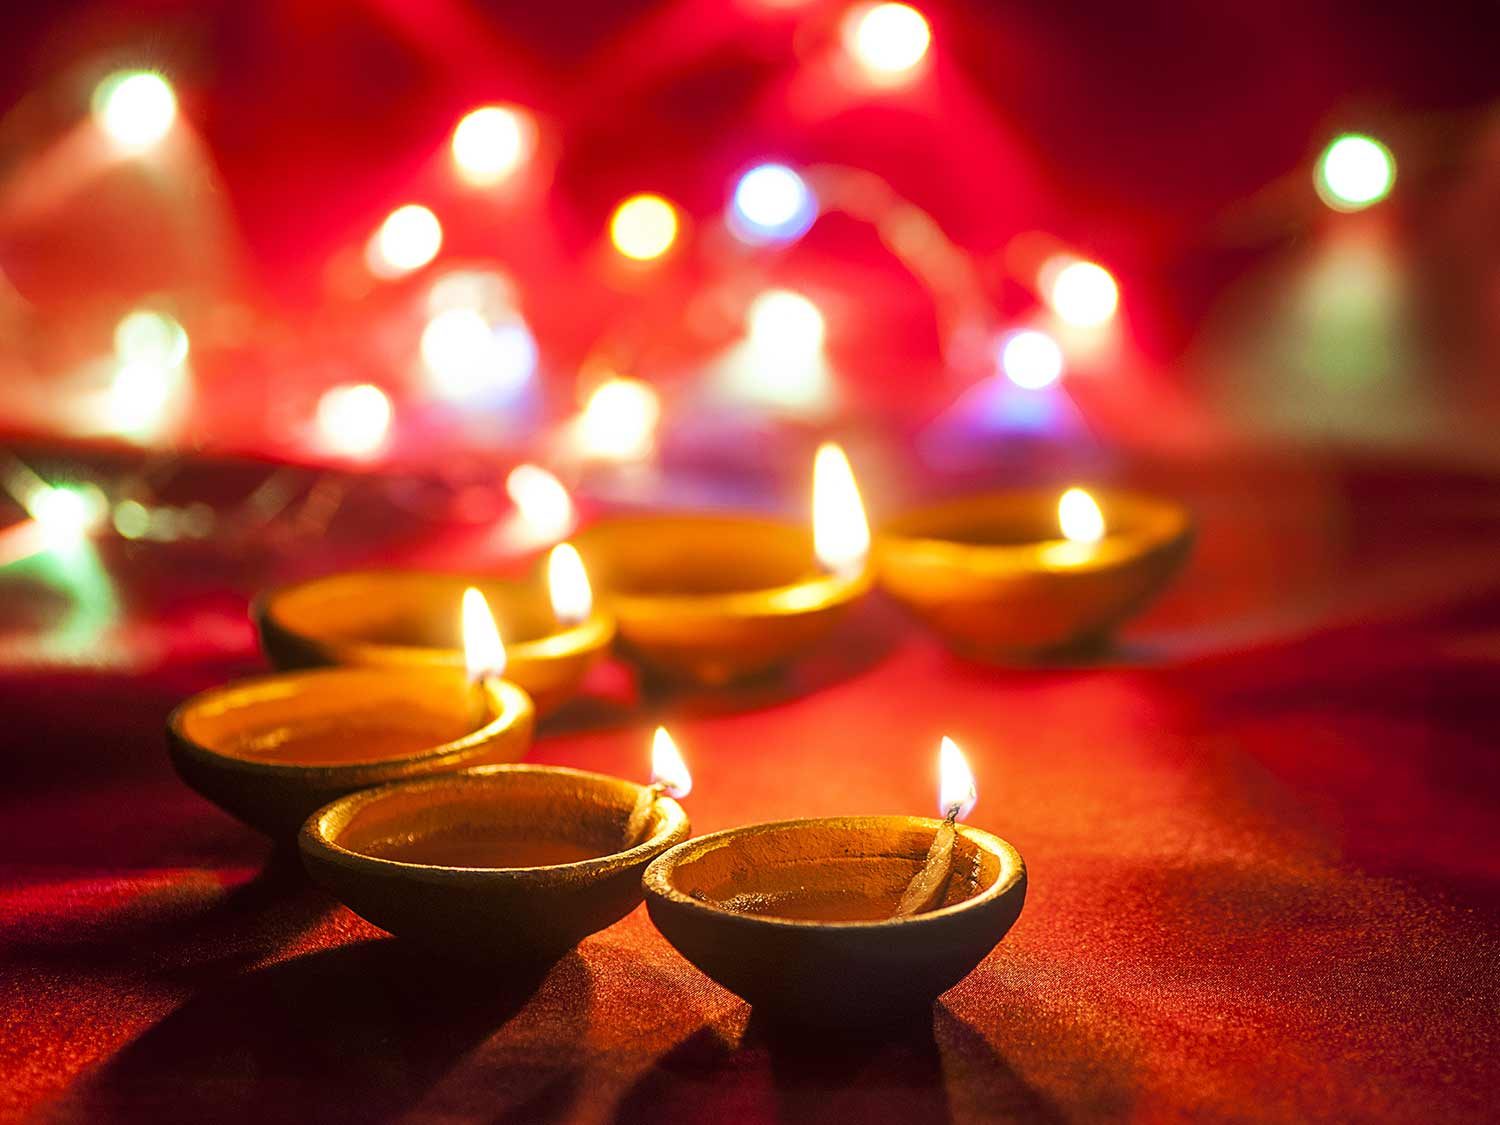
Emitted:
<point x="290" y="282"/>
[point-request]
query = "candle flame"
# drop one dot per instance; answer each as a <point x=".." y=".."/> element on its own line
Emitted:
<point x="1079" y="517"/>
<point x="956" y="790"/>
<point x="483" y="652"/>
<point x="841" y="534"/>
<point x="542" y="501"/>
<point x="568" y="585"/>
<point x="667" y="767"/>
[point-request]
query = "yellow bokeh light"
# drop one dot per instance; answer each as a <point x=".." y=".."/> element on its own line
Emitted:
<point x="135" y="109"/>
<point x="643" y="227"/>
<point x="1355" y="172"/>
<point x="491" y="142"/>
<point x="410" y="237"/>
<point x="619" y="421"/>
<point x="785" y="325"/>
<point x="1082" y="294"/>
<point x="888" y="41"/>
<point x="354" y="420"/>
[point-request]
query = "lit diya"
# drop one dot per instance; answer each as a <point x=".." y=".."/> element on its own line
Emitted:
<point x="499" y="863"/>
<point x="407" y="619"/>
<point x="842" y="920"/>
<point x="1017" y="574"/>
<point x="718" y="598"/>
<point x="272" y="749"/>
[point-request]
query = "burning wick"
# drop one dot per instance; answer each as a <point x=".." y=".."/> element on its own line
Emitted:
<point x="841" y="534"/>
<point x="484" y="654"/>
<point x="568" y="586"/>
<point x="956" y="797"/>
<point x="669" y="777"/>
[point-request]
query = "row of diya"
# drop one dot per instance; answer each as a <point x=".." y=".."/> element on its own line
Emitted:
<point x="394" y="767"/>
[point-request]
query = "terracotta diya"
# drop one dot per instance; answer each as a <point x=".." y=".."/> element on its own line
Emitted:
<point x="272" y="749"/>
<point x="409" y="619"/>
<point x="841" y="921"/>
<point x="1018" y="574"/>
<point x="500" y="863"/>
<point x="717" y="598"/>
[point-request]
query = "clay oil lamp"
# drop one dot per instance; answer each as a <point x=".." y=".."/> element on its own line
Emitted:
<point x="272" y="749"/>
<point x="716" y="598"/>
<point x="407" y="619"/>
<point x="843" y="921"/>
<point x="506" y="864"/>
<point x="1021" y="574"/>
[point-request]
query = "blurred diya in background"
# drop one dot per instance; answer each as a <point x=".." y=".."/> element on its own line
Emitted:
<point x="272" y="749"/>
<point x="712" y="599"/>
<point x="1022" y="574"/>
<point x="842" y="921"/>
<point x="409" y="619"/>
<point x="499" y="864"/>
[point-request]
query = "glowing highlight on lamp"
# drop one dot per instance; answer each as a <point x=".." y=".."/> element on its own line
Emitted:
<point x="1079" y="517"/>
<point x="1031" y="359"/>
<point x="643" y="227"/>
<point x="407" y="240"/>
<point x="484" y="654"/>
<point x="771" y="203"/>
<point x="667" y="767"/>
<point x="355" y="419"/>
<point x="619" y="420"/>
<point x="1354" y="172"/>
<point x="542" y="500"/>
<point x="568" y="585"/>
<point x="490" y="143"/>
<point x="841" y="533"/>
<point x="888" y="41"/>
<point x="135" y="109"/>
<point x="1083" y="294"/>
<point x="957" y="792"/>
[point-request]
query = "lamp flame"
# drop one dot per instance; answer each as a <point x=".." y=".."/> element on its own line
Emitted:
<point x="667" y="767"/>
<point x="841" y="534"/>
<point x="542" y="500"/>
<point x="1079" y="517"/>
<point x="956" y="790"/>
<point x="483" y="653"/>
<point x="568" y="584"/>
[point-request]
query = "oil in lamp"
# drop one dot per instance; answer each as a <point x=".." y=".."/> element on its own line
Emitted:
<point x="499" y="863"/>
<point x="404" y="619"/>
<point x="271" y="749"/>
<point x="842" y="921"/>
<point x="712" y="598"/>
<point x="1019" y="574"/>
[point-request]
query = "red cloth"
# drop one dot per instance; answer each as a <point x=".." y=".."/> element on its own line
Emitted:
<point x="1264" y="881"/>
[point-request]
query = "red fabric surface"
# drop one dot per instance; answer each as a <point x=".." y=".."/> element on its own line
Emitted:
<point x="1264" y="881"/>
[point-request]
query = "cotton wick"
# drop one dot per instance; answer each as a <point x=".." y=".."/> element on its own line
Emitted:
<point x="635" y="825"/>
<point x="923" y="890"/>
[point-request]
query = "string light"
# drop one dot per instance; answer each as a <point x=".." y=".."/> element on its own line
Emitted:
<point x="135" y="108"/>
<point x="490" y="143"/>
<point x="1354" y="172"/>
<point x="1082" y="294"/>
<point x="410" y="237"/>
<point x="643" y="227"/>
<point x="355" y="419"/>
<point x="1031" y="359"/>
<point x="889" y="41"/>
<point x="771" y="203"/>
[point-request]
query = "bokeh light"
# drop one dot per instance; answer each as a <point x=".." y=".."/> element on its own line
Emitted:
<point x="643" y="227"/>
<point x="1354" y="172"/>
<point x="140" y="397"/>
<point x="888" y="41"/>
<point x="145" y="336"/>
<point x="771" y="203"/>
<point x="542" y="501"/>
<point x="65" y="514"/>
<point x="135" y="108"/>
<point x="1082" y="294"/>
<point x="354" y="420"/>
<point x="785" y="325"/>
<point x="466" y="356"/>
<point x="491" y="142"/>
<point x="1031" y="359"/>
<point x="410" y="237"/>
<point x="619" y="420"/>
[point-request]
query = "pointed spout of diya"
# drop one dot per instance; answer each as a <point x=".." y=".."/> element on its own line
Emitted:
<point x="956" y="797"/>
<point x="669" y="778"/>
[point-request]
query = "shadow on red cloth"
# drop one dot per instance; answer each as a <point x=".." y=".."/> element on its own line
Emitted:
<point x="894" y="1074"/>
<point x="357" y="1033"/>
